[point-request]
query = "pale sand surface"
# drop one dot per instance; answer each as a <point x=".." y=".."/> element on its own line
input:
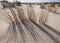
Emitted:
<point x="29" y="33"/>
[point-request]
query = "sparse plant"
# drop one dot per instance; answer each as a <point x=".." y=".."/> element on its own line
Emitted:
<point x="42" y="6"/>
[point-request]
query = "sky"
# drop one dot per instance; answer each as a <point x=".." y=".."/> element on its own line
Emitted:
<point x="35" y="0"/>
